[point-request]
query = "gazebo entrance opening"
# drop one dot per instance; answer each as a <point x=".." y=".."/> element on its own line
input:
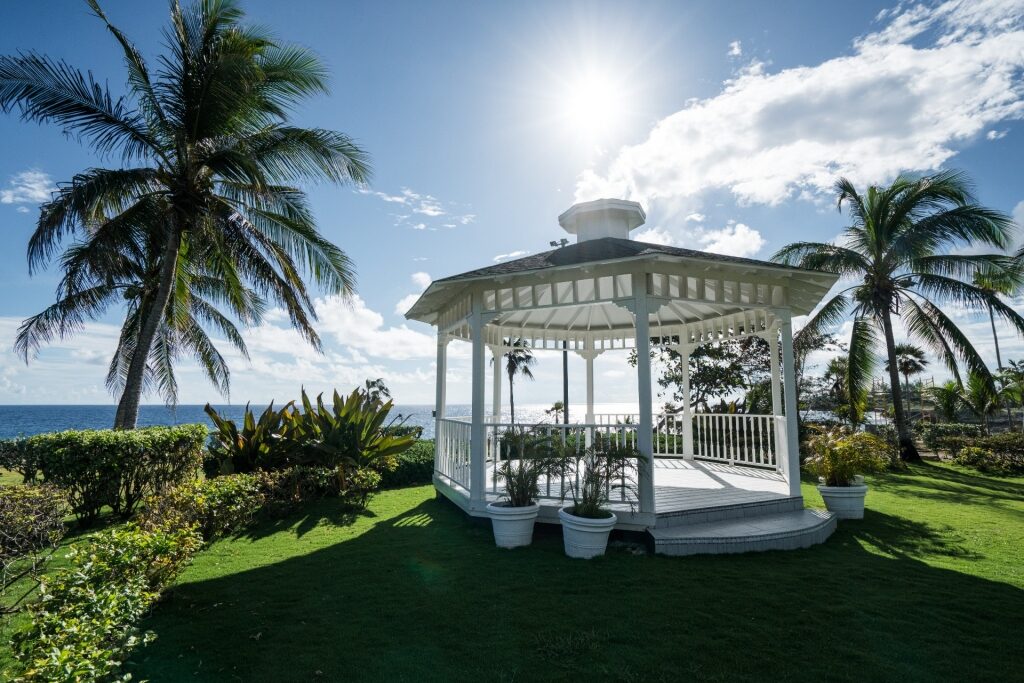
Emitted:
<point x="607" y="292"/>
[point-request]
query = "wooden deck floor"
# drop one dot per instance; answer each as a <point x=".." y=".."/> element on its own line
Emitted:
<point x="681" y="485"/>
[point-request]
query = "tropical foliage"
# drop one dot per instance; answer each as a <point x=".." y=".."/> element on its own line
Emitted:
<point x="594" y="474"/>
<point x="31" y="522"/>
<point x="896" y="260"/>
<point x="838" y="456"/>
<point x="910" y="360"/>
<point x="203" y="220"/>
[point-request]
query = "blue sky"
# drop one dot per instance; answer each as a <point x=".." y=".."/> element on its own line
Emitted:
<point x="728" y="121"/>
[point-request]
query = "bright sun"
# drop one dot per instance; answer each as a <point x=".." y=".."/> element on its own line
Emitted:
<point x="593" y="105"/>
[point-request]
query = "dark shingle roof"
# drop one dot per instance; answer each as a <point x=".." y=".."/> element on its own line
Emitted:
<point x="599" y="250"/>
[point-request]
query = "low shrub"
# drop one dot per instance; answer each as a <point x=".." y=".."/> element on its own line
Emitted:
<point x="214" y="507"/>
<point x="412" y="467"/>
<point x="31" y="521"/>
<point x="999" y="454"/>
<point x="838" y="456"/>
<point x="104" y="467"/>
<point x="85" y="622"/>
<point x="933" y="435"/>
<point x="16" y="456"/>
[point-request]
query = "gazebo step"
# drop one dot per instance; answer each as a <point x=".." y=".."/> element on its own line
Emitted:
<point x="757" y="507"/>
<point x="778" y="531"/>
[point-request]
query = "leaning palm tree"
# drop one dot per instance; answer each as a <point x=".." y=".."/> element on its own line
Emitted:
<point x="518" y="361"/>
<point x="91" y="286"/>
<point x="209" y="169"/>
<point x="910" y="360"/>
<point x="895" y="259"/>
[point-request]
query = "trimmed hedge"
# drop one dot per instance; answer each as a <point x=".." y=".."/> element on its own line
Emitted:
<point x="934" y="434"/>
<point x="413" y="467"/>
<point x="104" y="467"/>
<point x="1000" y="454"/>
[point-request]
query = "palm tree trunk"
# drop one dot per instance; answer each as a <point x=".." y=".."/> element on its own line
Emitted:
<point x="128" y="407"/>
<point x="908" y="450"/>
<point x="511" y="399"/>
<point x="906" y="389"/>
<point x="995" y="338"/>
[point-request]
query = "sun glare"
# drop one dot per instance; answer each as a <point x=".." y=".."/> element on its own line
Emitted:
<point x="593" y="105"/>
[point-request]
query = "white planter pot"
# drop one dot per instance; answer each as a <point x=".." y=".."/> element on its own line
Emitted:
<point x="513" y="526"/>
<point x="846" y="502"/>
<point x="585" y="537"/>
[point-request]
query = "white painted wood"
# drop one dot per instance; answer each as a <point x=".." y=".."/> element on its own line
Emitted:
<point x="645" y="474"/>
<point x="496" y="373"/>
<point x="440" y="391"/>
<point x="792" y="441"/>
<point x="684" y="351"/>
<point x="478" y="472"/>
<point x="773" y="346"/>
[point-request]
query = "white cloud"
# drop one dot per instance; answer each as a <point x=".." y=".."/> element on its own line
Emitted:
<point x="695" y="217"/>
<point x="888" y="106"/>
<point x="511" y="255"/>
<point x="734" y="240"/>
<point x="418" y="203"/>
<point x="735" y="49"/>
<point x="996" y="134"/>
<point x="421" y="280"/>
<point x="28" y="187"/>
<point x="655" y="236"/>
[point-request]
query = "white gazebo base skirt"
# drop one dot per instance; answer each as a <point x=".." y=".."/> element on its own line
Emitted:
<point x="701" y="507"/>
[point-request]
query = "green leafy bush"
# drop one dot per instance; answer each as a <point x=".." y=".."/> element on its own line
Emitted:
<point x="261" y="443"/>
<point x="104" y="467"/>
<point x="31" y="521"/>
<point x="838" y="456"/>
<point x="999" y="454"/>
<point x="85" y="622"/>
<point x="16" y="456"/>
<point x="212" y="506"/>
<point x="412" y="467"/>
<point x="933" y="434"/>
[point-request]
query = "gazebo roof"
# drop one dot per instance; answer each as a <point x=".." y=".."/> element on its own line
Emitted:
<point x="583" y="294"/>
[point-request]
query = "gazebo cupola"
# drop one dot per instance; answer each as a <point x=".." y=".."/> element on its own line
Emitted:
<point x="602" y="218"/>
<point x="609" y="293"/>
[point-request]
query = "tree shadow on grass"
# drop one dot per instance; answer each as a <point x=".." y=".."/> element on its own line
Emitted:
<point x="328" y="511"/>
<point x="425" y="595"/>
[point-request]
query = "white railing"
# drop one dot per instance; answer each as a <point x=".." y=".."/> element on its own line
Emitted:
<point x="737" y="439"/>
<point x="451" y="450"/>
<point x="501" y="447"/>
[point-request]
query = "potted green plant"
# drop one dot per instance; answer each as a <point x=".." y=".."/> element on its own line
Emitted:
<point x="840" y="460"/>
<point x="590" y="476"/>
<point x="513" y="517"/>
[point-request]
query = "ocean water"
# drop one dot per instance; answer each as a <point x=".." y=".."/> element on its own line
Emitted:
<point x="28" y="420"/>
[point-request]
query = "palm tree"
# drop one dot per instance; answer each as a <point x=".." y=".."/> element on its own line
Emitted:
<point x="910" y="360"/>
<point x="980" y="397"/>
<point x="209" y="167"/>
<point x="120" y="278"/>
<point x="1012" y="382"/>
<point x="894" y="257"/>
<point x="851" y="408"/>
<point x="994" y="284"/>
<point x="947" y="399"/>
<point x="518" y="361"/>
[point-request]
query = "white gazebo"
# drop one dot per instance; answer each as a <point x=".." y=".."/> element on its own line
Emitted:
<point x="712" y="482"/>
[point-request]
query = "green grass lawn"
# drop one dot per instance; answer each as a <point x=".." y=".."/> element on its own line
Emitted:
<point x="928" y="586"/>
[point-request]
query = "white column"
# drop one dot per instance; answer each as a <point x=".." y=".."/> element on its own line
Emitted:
<point x="643" y="381"/>
<point x="477" y="450"/>
<point x="789" y="389"/>
<point x="440" y="395"/>
<point x="496" y="372"/>
<point x="773" y="346"/>
<point x="590" y="355"/>
<point x="684" y="351"/>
